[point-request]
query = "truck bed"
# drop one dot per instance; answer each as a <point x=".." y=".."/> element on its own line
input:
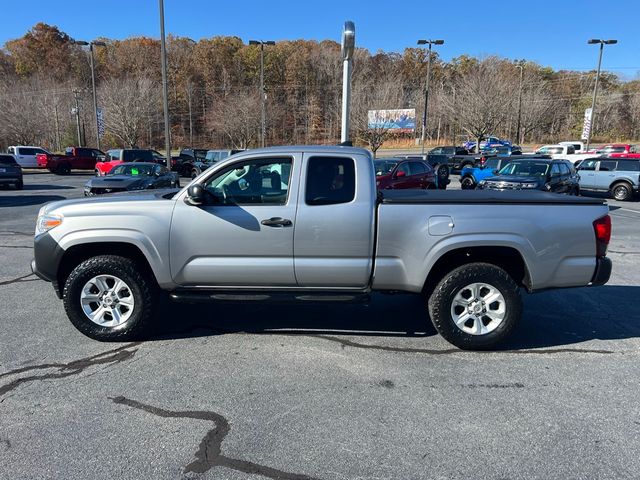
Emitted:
<point x="482" y="197"/>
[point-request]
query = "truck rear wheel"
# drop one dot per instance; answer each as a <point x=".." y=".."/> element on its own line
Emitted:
<point x="63" y="169"/>
<point x="108" y="298"/>
<point x="621" y="191"/>
<point x="476" y="306"/>
<point x="467" y="183"/>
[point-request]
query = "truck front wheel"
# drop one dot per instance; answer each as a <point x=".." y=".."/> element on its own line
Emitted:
<point x="475" y="306"/>
<point x="109" y="298"/>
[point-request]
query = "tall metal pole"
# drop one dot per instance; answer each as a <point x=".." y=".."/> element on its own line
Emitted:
<point x="95" y="99"/>
<point x="519" y="104"/>
<point x="263" y="127"/>
<point x="348" y="48"/>
<point x="426" y="100"/>
<point x="595" y="93"/>
<point x="165" y="91"/>
<point x="77" y="112"/>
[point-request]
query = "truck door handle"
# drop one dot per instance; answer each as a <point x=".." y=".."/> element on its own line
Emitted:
<point x="277" y="222"/>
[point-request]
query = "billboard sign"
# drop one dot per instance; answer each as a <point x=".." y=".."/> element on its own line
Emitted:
<point x="400" y="120"/>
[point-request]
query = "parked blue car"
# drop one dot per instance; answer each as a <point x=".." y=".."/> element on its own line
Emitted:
<point x="619" y="177"/>
<point x="471" y="176"/>
<point x="487" y="142"/>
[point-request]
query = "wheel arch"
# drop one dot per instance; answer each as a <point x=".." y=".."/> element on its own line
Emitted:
<point x="618" y="180"/>
<point x="506" y="257"/>
<point x="77" y="254"/>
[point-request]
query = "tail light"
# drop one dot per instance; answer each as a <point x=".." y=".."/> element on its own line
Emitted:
<point x="602" y="229"/>
<point x="174" y="162"/>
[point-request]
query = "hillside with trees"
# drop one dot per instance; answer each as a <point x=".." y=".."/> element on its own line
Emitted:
<point x="214" y="96"/>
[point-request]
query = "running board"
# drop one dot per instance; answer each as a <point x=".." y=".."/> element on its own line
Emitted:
<point x="191" y="296"/>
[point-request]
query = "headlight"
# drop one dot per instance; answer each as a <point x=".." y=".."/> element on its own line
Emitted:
<point x="47" y="222"/>
<point x="529" y="185"/>
<point x="482" y="182"/>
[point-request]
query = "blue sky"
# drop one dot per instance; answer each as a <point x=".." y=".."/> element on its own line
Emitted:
<point x="551" y="32"/>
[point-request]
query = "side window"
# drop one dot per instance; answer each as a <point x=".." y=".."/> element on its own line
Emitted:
<point x="253" y="182"/>
<point x="555" y="169"/>
<point x="403" y="167"/>
<point x="588" y="164"/>
<point x="330" y="181"/>
<point x="629" y="166"/>
<point x="416" y="168"/>
<point x="26" y="151"/>
<point x="570" y="150"/>
<point x="437" y="151"/>
<point x="608" y="165"/>
<point x="564" y="169"/>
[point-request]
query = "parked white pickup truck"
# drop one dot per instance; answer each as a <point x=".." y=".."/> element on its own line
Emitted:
<point x="307" y="224"/>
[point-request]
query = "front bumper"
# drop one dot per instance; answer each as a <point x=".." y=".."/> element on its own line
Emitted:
<point x="602" y="273"/>
<point x="47" y="258"/>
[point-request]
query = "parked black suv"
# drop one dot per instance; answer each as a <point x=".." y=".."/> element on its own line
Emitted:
<point x="535" y="174"/>
<point x="183" y="163"/>
<point x="10" y="172"/>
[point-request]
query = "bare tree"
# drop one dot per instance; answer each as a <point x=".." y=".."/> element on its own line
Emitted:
<point x="483" y="100"/>
<point x="128" y="104"/>
<point x="237" y="117"/>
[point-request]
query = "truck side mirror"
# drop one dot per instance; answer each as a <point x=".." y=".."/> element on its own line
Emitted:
<point x="196" y="195"/>
<point x="400" y="174"/>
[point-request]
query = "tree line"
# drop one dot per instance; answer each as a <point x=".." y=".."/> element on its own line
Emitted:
<point x="214" y="96"/>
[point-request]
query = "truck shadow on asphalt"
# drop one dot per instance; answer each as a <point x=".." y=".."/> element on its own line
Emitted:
<point x="43" y="186"/>
<point x="27" y="200"/>
<point x="551" y="319"/>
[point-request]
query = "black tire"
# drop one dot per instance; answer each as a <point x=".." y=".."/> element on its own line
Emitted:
<point x="19" y="185"/>
<point x="194" y="173"/>
<point x="441" y="302"/>
<point x="442" y="176"/>
<point x="467" y="183"/>
<point x="142" y="287"/>
<point x="621" y="191"/>
<point x="64" y="169"/>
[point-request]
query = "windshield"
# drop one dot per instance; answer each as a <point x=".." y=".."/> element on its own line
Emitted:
<point x="525" y="168"/>
<point x="550" y="150"/>
<point x="384" y="167"/>
<point x="491" y="163"/>
<point x="134" y="170"/>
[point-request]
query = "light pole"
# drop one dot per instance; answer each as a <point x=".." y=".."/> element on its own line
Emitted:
<point x="263" y="94"/>
<point x="76" y="111"/>
<point x="93" y="82"/>
<point x="348" y="46"/>
<point x="602" y="43"/>
<point x="521" y="67"/>
<point x="426" y="90"/>
<point x="165" y="90"/>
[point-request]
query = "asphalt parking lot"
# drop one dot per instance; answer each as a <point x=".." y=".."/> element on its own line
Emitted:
<point x="332" y="392"/>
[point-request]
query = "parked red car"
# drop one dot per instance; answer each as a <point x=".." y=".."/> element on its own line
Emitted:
<point x="397" y="173"/>
<point x="617" y="148"/>
<point x="74" y="158"/>
<point x="624" y="155"/>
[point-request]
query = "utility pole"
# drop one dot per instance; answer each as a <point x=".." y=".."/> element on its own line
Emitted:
<point x="521" y="67"/>
<point x="263" y="93"/>
<point x="165" y="91"/>
<point x="76" y="111"/>
<point x="595" y="88"/>
<point x="426" y="90"/>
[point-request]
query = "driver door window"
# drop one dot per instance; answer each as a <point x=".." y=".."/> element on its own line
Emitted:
<point x="255" y="182"/>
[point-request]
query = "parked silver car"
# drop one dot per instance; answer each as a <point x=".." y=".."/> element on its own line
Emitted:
<point x="620" y="177"/>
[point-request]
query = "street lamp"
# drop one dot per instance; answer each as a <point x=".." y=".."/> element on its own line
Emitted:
<point x="95" y="43"/>
<point x="165" y="89"/>
<point x="263" y="95"/>
<point x="521" y="67"/>
<point x="426" y="90"/>
<point x="602" y="43"/>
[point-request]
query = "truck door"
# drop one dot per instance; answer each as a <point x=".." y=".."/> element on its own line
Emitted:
<point x="243" y="236"/>
<point x="334" y="234"/>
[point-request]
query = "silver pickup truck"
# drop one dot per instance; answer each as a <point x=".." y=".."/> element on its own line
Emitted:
<point x="306" y="223"/>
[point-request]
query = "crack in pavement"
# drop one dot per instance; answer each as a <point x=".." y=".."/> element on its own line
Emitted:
<point x="19" y="279"/>
<point x="548" y="351"/>
<point x="16" y="246"/>
<point x="12" y="232"/>
<point x="74" y="367"/>
<point x="209" y="453"/>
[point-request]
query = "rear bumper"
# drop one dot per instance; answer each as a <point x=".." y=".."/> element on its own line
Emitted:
<point x="10" y="180"/>
<point x="602" y="273"/>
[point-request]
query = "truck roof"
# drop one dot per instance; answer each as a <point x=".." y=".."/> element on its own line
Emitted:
<point x="311" y="149"/>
